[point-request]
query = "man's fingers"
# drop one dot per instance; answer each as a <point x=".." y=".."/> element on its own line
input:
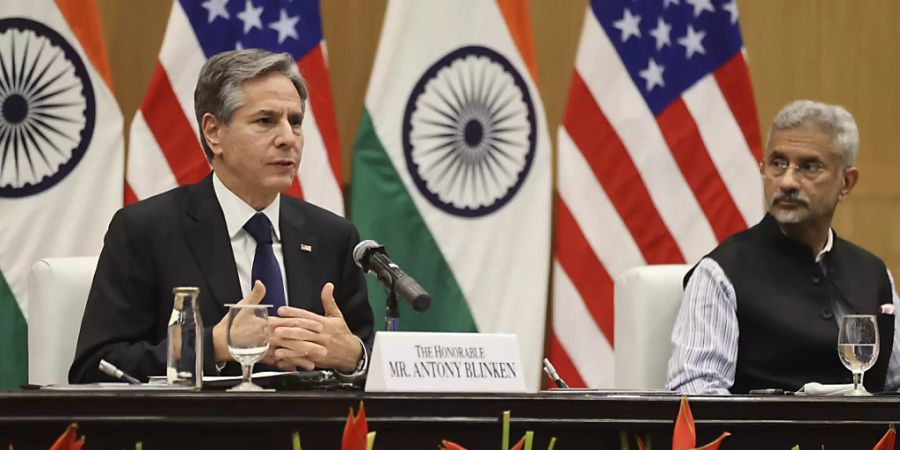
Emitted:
<point x="269" y="358"/>
<point x="328" y="303"/>
<point x="295" y="322"/>
<point x="296" y="334"/>
<point x="256" y="295"/>
<point x="285" y="366"/>
<point x="290" y="312"/>
<point x="303" y="359"/>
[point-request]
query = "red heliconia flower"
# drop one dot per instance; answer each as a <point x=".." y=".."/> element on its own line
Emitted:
<point x="887" y="441"/>
<point x="685" y="436"/>
<point x="450" y="445"/>
<point x="355" y="430"/>
<point x="69" y="440"/>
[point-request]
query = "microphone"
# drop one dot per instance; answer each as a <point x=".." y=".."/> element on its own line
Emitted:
<point x="371" y="257"/>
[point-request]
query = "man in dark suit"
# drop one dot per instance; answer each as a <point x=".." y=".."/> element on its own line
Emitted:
<point x="223" y="232"/>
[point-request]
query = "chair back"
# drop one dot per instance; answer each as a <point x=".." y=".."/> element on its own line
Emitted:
<point x="647" y="299"/>
<point x="57" y="293"/>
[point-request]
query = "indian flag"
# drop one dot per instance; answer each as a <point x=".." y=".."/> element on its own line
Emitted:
<point x="451" y="168"/>
<point x="61" y="155"/>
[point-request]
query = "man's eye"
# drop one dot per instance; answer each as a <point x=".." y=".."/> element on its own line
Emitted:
<point x="812" y="167"/>
<point x="264" y="120"/>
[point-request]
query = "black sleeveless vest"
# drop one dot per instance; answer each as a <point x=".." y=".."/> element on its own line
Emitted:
<point x="787" y="330"/>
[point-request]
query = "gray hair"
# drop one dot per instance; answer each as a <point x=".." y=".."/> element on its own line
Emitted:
<point x="834" y="120"/>
<point x="219" y="86"/>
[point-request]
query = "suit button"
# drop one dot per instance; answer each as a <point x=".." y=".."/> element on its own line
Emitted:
<point x="816" y="279"/>
<point x="827" y="314"/>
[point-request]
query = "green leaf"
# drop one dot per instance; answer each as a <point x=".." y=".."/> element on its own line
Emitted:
<point x="295" y="441"/>
<point x="504" y="443"/>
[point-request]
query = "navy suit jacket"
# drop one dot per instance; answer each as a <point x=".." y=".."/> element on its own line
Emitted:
<point x="179" y="238"/>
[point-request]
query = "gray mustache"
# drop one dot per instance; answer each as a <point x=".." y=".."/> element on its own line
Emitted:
<point x="794" y="197"/>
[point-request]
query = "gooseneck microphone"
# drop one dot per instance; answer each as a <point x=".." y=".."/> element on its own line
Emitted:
<point x="371" y="257"/>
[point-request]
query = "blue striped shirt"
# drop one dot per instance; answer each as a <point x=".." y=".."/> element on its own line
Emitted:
<point x="705" y="337"/>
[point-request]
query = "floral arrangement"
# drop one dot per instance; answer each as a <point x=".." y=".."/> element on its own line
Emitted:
<point x="358" y="437"/>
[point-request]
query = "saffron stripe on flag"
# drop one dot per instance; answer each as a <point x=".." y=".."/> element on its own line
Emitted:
<point x="689" y="151"/>
<point x="614" y="169"/>
<point x="518" y="21"/>
<point x="84" y="20"/>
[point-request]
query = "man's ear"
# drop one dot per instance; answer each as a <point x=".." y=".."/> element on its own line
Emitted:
<point x="212" y="130"/>
<point x="848" y="181"/>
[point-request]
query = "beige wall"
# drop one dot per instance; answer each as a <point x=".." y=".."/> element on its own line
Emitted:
<point x="842" y="51"/>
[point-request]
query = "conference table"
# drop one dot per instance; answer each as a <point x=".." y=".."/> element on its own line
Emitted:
<point x="116" y="419"/>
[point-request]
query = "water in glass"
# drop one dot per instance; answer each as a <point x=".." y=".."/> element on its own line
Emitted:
<point x="248" y="339"/>
<point x="858" y="347"/>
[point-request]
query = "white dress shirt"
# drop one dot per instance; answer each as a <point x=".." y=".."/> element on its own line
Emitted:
<point x="237" y="212"/>
<point x="705" y="337"/>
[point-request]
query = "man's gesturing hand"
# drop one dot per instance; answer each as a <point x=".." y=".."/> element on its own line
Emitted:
<point x="220" y="341"/>
<point x="308" y="340"/>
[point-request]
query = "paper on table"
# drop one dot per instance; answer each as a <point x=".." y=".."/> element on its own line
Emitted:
<point x="256" y="376"/>
<point x="824" y="389"/>
<point x="161" y="379"/>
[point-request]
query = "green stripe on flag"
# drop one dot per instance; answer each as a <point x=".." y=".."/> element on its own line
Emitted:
<point x="13" y="340"/>
<point x="383" y="210"/>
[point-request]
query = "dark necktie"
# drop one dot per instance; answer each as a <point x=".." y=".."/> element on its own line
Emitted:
<point x="265" y="266"/>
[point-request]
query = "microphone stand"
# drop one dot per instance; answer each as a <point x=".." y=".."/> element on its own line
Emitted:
<point x="392" y="311"/>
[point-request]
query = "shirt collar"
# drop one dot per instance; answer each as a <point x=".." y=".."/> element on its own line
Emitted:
<point x="828" y="245"/>
<point x="237" y="212"/>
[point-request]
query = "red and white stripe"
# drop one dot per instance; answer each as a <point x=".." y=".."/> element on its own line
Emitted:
<point x="164" y="144"/>
<point x="635" y="189"/>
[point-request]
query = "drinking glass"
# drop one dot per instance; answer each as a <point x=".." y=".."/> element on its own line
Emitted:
<point x="248" y="339"/>
<point x="858" y="347"/>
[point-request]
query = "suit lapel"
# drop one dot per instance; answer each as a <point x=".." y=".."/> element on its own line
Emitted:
<point x="207" y="236"/>
<point x="298" y="247"/>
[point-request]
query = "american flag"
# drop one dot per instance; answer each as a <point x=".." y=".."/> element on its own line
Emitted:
<point x="165" y="150"/>
<point x="658" y="154"/>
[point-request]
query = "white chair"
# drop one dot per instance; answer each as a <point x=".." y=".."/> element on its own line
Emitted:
<point x="646" y="303"/>
<point x="57" y="292"/>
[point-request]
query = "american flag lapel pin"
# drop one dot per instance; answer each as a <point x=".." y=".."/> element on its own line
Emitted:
<point x="305" y="248"/>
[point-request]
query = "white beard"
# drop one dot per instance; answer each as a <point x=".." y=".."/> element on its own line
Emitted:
<point x="782" y="216"/>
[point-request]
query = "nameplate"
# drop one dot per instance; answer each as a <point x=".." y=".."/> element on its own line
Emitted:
<point x="445" y="362"/>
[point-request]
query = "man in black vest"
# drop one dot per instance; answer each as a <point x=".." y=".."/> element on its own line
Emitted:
<point x="763" y="309"/>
